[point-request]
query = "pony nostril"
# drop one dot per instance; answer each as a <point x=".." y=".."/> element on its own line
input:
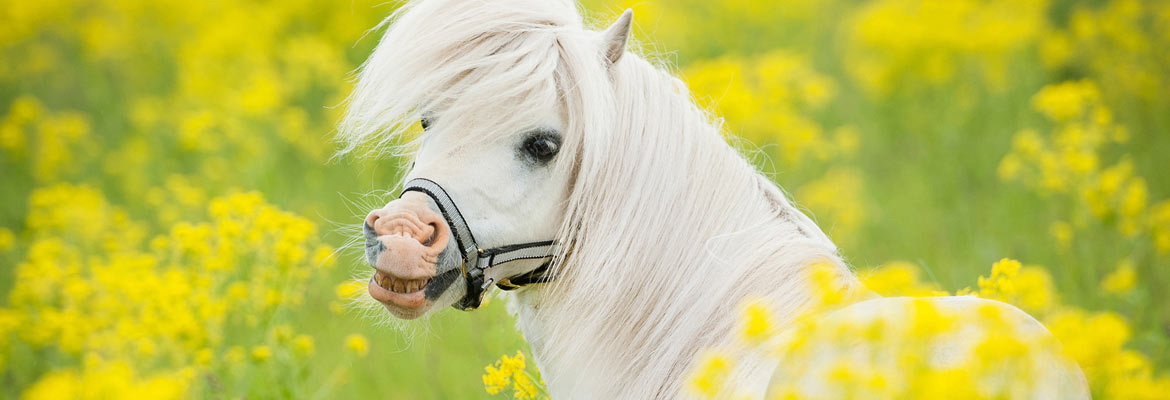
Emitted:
<point x="412" y="217"/>
<point x="430" y="240"/>
<point x="437" y="231"/>
<point x="371" y="221"/>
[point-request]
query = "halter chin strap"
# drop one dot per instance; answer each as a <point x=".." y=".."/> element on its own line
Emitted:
<point x="476" y="261"/>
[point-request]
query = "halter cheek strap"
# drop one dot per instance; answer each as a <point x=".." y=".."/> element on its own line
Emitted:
<point x="476" y="261"/>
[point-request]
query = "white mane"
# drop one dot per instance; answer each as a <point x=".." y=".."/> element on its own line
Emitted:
<point x="667" y="229"/>
<point x="672" y="229"/>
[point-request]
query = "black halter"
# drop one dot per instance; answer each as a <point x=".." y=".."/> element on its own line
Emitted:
<point x="477" y="261"/>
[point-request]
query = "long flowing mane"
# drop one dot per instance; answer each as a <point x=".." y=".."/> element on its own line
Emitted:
<point x="667" y="227"/>
<point x="672" y="229"/>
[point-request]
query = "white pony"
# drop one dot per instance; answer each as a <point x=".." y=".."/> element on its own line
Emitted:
<point x="537" y="128"/>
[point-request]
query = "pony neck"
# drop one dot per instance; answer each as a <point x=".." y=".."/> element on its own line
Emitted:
<point x="670" y="231"/>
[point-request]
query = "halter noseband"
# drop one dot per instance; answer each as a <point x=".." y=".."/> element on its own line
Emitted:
<point x="477" y="261"/>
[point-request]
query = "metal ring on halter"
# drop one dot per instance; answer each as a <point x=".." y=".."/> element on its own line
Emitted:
<point x="476" y="261"/>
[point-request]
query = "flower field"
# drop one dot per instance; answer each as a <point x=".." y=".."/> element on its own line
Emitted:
<point x="172" y="224"/>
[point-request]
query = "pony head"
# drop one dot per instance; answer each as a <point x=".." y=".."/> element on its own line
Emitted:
<point x="504" y="92"/>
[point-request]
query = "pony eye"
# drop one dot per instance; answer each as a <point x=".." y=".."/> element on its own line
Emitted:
<point x="542" y="148"/>
<point x="425" y="122"/>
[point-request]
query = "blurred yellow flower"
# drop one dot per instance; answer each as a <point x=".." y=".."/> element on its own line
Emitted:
<point x="707" y="378"/>
<point x="7" y="239"/>
<point x="357" y="344"/>
<point x="235" y="354"/>
<point x="510" y="371"/>
<point x="837" y="196"/>
<point x="323" y="256"/>
<point x="522" y="387"/>
<point x="1062" y="232"/>
<point x="757" y="321"/>
<point x="1067" y="100"/>
<point x="204" y="357"/>
<point x="350" y="289"/>
<point x="495" y="379"/>
<point x="1029" y="288"/>
<point x="261" y="353"/>
<point x="898" y="278"/>
<point x="1121" y="280"/>
<point x="303" y="345"/>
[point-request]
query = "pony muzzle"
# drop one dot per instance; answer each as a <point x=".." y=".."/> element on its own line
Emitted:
<point x="404" y="241"/>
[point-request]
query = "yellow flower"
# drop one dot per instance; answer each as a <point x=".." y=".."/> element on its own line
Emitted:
<point x="7" y="239"/>
<point x="757" y="321"/>
<point x="838" y="197"/>
<point x="261" y="353"/>
<point x="708" y="377"/>
<point x="825" y="284"/>
<point x="235" y="354"/>
<point x="510" y="371"/>
<point x="351" y="289"/>
<point x="898" y="278"/>
<point x="282" y="333"/>
<point x="512" y="364"/>
<point x="62" y="384"/>
<point x="1122" y="280"/>
<point x="323" y="256"/>
<point x="1029" y="288"/>
<point x="1133" y="202"/>
<point x="522" y="387"/>
<point x="1062" y="232"/>
<point x="1009" y="167"/>
<point x="927" y="321"/>
<point x="495" y="379"/>
<point x="204" y="357"/>
<point x="303" y="345"/>
<point x="357" y="344"/>
<point x="1067" y="100"/>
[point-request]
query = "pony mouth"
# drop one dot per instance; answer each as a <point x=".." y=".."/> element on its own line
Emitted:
<point x="399" y="285"/>
<point x="405" y="298"/>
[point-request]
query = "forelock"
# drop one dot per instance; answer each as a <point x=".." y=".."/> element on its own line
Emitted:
<point x="487" y="64"/>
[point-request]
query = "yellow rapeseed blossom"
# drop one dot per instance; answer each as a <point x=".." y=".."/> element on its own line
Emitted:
<point x="757" y="321"/>
<point x="885" y="356"/>
<point x="7" y="239"/>
<point x="899" y="278"/>
<point x="115" y="188"/>
<point x="511" y="371"/>
<point x="303" y="345"/>
<point x="895" y="44"/>
<point x="349" y="290"/>
<point x="838" y="195"/>
<point x="1069" y="161"/>
<point x="234" y="355"/>
<point x="1067" y="100"/>
<point x="154" y="308"/>
<point x="522" y="387"/>
<point x="707" y="379"/>
<point x="261" y="353"/>
<point x="766" y="100"/>
<point x="1062" y="232"/>
<point x="495" y="379"/>
<point x="323" y="256"/>
<point x="1121" y="280"/>
<point x="357" y="344"/>
<point x="1030" y="288"/>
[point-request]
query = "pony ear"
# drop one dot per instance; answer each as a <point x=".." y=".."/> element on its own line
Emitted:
<point x="616" y="35"/>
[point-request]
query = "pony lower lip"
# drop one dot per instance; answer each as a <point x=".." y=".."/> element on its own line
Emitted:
<point x="400" y="301"/>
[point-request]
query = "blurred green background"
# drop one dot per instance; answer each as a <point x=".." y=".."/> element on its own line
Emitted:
<point x="169" y="209"/>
